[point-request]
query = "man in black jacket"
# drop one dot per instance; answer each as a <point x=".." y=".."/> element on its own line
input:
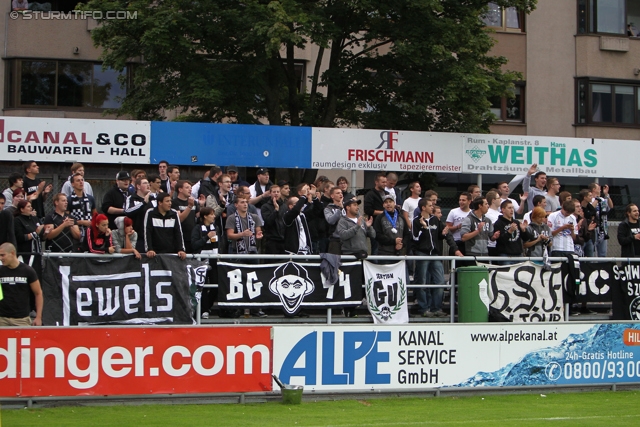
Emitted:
<point x="392" y="233"/>
<point x="114" y="200"/>
<point x="297" y="238"/>
<point x="162" y="230"/>
<point x="427" y="230"/>
<point x="137" y="206"/>
<point x="512" y="233"/>
<point x="629" y="233"/>
<point x="373" y="203"/>
<point x="273" y="224"/>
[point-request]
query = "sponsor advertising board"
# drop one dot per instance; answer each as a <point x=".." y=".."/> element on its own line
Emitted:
<point x="386" y="150"/>
<point x="369" y="358"/>
<point x="128" y="361"/>
<point x="65" y="140"/>
<point x="513" y="154"/>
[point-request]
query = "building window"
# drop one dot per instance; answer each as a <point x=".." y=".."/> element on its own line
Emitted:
<point x="509" y="109"/>
<point x="504" y="19"/>
<point x="63" y="84"/>
<point x="608" y="103"/>
<point x="609" y="17"/>
<point x="45" y="6"/>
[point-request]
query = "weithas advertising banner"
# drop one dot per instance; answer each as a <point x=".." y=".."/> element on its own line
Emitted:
<point x="514" y="154"/>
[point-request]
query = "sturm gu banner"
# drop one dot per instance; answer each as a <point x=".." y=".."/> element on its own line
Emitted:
<point x="291" y="286"/>
<point x="65" y="140"/>
<point x="386" y="292"/>
<point x="120" y="290"/>
<point x="366" y="358"/>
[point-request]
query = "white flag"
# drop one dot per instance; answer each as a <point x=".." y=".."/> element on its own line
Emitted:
<point x="387" y="292"/>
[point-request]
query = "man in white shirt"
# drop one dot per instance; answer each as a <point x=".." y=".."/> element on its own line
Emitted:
<point x="494" y="200"/>
<point x="455" y="217"/>
<point x="563" y="227"/>
<point x="504" y="191"/>
<point x="411" y="203"/>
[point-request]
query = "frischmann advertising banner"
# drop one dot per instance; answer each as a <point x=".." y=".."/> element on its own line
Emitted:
<point x="365" y="358"/>
<point x="390" y="150"/>
<point x="130" y="361"/>
<point x="514" y="154"/>
<point x="65" y="140"/>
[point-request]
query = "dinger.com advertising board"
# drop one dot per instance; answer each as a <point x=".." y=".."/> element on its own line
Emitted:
<point x="360" y="358"/>
<point x="103" y="361"/>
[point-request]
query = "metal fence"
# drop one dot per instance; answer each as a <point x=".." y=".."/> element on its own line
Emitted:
<point x="449" y="261"/>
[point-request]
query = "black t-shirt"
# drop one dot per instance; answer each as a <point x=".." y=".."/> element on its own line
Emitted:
<point x="16" y="290"/>
<point x="63" y="242"/>
<point x="189" y="222"/>
<point x="31" y="186"/>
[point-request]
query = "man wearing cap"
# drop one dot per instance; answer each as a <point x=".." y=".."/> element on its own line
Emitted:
<point x="392" y="232"/>
<point x="232" y="171"/>
<point x="353" y="230"/>
<point x="114" y="200"/>
<point x="260" y="189"/>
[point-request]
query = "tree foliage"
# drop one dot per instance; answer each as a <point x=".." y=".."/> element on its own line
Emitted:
<point x="401" y="64"/>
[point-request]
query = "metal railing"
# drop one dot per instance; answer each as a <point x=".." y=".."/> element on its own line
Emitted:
<point x="451" y="286"/>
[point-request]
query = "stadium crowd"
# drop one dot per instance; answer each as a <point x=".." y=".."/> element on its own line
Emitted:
<point x="159" y="213"/>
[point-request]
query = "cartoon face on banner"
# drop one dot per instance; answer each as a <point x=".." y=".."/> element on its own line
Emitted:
<point x="291" y="284"/>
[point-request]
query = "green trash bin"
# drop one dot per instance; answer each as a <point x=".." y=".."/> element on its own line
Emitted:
<point x="292" y="394"/>
<point x="471" y="292"/>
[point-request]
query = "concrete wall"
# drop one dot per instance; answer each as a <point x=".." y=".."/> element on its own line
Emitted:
<point x="551" y="60"/>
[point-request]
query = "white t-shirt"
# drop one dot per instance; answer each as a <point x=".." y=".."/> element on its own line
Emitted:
<point x="252" y="189"/>
<point x="562" y="241"/>
<point x="455" y="217"/>
<point x="409" y="206"/>
<point x="493" y="215"/>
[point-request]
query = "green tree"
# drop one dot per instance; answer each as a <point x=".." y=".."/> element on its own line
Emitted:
<point x="411" y="64"/>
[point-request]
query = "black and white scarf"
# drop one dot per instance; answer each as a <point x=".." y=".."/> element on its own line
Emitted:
<point x="241" y="247"/>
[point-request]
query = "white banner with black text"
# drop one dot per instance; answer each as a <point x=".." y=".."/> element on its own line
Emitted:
<point x="387" y="292"/>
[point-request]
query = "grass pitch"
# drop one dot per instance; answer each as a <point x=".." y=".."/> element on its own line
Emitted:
<point x="565" y="409"/>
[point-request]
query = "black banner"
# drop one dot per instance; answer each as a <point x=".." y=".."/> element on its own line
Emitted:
<point x="120" y="290"/>
<point x="596" y="282"/>
<point x="289" y="285"/>
<point x="626" y="292"/>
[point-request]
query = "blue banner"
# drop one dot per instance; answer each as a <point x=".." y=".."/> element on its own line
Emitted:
<point x="225" y="144"/>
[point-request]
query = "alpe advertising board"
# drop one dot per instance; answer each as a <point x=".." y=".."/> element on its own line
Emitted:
<point x="363" y="358"/>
